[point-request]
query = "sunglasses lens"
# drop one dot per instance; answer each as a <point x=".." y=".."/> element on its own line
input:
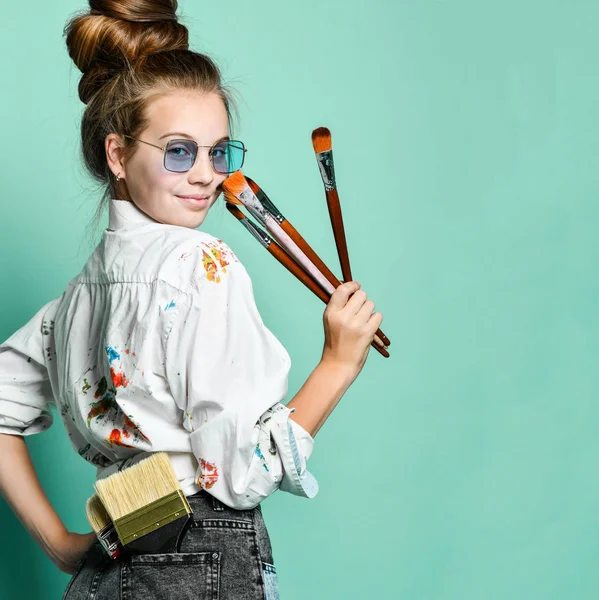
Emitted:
<point x="180" y="155"/>
<point x="227" y="157"/>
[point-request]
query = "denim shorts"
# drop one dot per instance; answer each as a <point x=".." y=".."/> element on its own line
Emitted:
<point x="225" y="554"/>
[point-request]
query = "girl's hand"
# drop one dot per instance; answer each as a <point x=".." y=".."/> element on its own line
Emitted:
<point x="69" y="549"/>
<point x="349" y="327"/>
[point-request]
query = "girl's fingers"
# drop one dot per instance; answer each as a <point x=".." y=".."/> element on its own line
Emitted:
<point x="342" y="293"/>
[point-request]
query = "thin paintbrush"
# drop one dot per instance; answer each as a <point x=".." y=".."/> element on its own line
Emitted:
<point x="300" y="241"/>
<point x="287" y="261"/>
<point x="102" y="524"/>
<point x="323" y="147"/>
<point x="146" y="505"/>
<point x="237" y="191"/>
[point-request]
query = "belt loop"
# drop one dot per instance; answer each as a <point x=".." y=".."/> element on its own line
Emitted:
<point x="216" y="504"/>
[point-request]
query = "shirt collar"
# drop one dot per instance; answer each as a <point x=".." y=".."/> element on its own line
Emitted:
<point x="123" y="212"/>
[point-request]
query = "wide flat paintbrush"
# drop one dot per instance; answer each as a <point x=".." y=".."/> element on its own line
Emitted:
<point x="146" y="505"/>
<point x="102" y="524"/>
<point x="267" y="242"/>
<point x="238" y="191"/>
<point x="287" y="261"/>
<point x="301" y="242"/>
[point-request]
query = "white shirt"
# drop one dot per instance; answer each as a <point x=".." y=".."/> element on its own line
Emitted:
<point x="157" y="345"/>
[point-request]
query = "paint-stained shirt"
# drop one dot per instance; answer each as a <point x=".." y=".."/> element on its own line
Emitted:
<point x="157" y="345"/>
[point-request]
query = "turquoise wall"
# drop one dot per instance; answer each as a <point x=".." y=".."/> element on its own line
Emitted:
<point x="465" y="466"/>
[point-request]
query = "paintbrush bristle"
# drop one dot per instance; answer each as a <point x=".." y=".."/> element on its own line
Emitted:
<point x="137" y="486"/>
<point x="230" y="198"/>
<point x="235" y="184"/>
<point x="96" y="513"/>
<point x="321" y="140"/>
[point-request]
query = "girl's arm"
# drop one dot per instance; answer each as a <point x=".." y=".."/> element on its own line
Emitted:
<point x="349" y="327"/>
<point x="20" y="486"/>
<point x="319" y="395"/>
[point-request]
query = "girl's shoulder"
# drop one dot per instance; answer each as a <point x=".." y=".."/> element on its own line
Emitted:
<point x="194" y="255"/>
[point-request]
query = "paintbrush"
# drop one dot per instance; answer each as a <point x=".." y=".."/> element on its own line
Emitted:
<point x="323" y="147"/>
<point x="102" y="524"/>
<point x="267" y="242"/>
<point x="301" y="242"/>
<point x="287" y="261"/>
<point x="237" y="191"/>
<point x="146" y="505"/>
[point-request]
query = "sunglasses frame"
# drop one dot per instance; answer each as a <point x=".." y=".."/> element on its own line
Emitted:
<point x="210" y="153"/>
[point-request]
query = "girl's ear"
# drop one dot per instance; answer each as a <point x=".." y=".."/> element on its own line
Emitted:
<point x="115" y="148"/>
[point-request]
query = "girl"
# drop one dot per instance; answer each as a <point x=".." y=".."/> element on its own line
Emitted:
<point x="157" y="345"/>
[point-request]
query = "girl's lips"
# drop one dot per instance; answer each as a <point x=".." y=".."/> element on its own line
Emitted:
<point x="194" y="201"/>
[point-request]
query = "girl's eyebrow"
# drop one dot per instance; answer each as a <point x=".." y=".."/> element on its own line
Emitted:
<point x="190" y="137"/>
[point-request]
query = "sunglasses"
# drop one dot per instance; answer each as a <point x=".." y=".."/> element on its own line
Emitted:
<point x="226" y="156"/>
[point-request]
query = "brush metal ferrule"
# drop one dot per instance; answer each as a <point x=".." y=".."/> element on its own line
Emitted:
<point x="249" y="200"/>
<point x="256" y="232"/>
<point x="148" y="518"/>
<point x="110" y="540"/>
<point x="327" y="169"/>
<point x="270" y="207"/>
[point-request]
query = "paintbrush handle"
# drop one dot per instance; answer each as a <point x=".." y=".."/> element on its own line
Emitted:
<point x="300" y="257"/>
<point x="294" y="234"/>
<point x="290" y="264"/>
<point x="334" y="207"/>
<point x="295" y="269"/>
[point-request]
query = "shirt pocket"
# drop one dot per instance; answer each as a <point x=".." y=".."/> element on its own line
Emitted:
<point x="184" y="575"/>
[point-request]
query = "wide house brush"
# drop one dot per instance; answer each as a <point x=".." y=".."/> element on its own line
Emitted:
<point x="102" y="524"/>
<point x="146" y="505"/>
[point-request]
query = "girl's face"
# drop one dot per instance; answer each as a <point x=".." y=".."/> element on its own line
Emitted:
<point x="182" y="199"/>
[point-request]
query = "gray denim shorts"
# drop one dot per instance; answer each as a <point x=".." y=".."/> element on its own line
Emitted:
<point x="225" y="554"/>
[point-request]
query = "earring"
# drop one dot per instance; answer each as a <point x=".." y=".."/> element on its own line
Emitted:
<point x="118" y="177"/>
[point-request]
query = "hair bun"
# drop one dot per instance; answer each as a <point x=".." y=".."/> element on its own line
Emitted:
<point x="136" y="11"/>
<point x="115" y="34"/>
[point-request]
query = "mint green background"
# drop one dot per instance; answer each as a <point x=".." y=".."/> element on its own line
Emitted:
<point x="464" y="467"/>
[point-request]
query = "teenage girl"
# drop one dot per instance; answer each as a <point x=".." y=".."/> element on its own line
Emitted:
<point x="157" y="345"/>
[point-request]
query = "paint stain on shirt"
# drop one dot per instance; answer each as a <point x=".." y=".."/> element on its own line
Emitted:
<point x="209" y="475"/>
<point x="112" y="353"/>
<point x="116" y="439"/>
<point x="118" y="379"/>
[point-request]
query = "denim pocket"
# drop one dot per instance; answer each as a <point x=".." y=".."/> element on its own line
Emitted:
<point x="184" y="575"/>
<point x="271" y="583"/>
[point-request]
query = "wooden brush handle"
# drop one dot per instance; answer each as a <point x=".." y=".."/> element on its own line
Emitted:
<point x="334" y="207"/>
<point x="307" y="280"/>
<point x="292" y="232"/>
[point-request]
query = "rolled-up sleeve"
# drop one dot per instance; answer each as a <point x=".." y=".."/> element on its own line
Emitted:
<point x="25" y="391"/>
<point x="229" y="373"/>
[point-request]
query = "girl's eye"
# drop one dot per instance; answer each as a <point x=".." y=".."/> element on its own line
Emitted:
<point x="178" y="151"/>
<point x="219" y="151"/>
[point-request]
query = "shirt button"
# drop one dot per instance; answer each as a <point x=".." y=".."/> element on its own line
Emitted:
<point x="215" y="555"/>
